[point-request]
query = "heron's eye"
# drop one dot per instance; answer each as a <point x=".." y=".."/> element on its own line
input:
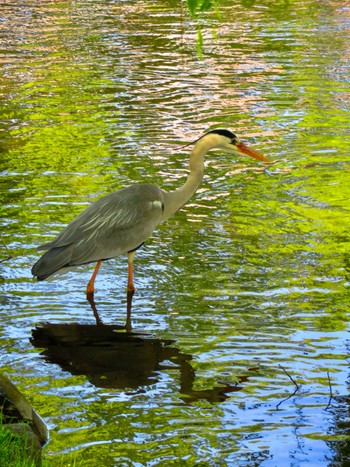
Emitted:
<point x="233" y="141"/>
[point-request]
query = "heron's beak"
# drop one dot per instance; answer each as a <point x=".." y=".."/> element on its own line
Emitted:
<point x="250" y="152"/>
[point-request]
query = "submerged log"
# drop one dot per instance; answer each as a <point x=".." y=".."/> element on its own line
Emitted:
<point x="21" y="420"/>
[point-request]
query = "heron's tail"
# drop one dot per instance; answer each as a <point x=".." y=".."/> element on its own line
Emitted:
<point x="52" y="261"/>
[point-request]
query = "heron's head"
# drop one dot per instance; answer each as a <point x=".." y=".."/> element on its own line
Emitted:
<point x="228" y="141"/>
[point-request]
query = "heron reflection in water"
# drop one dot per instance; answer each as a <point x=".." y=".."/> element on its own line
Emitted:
<point x="121" y="222"/>
<point x="130" y="362"/>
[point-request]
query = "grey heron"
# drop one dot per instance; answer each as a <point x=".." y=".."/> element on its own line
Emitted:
<point x="121" y="222"/>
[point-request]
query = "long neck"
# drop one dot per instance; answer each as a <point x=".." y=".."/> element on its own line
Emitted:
<point x="174" y="200"/>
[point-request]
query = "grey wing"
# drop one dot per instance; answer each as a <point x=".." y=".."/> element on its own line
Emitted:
<point x="115" y="224"/>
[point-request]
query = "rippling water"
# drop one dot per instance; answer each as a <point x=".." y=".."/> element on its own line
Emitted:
<point x="239" y="351"/>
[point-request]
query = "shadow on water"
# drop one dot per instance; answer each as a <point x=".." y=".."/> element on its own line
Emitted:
<point x="112" y="358"/>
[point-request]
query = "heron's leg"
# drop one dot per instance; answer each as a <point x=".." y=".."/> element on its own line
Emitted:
<point x="90" y="299"/>
<point x="129" y="296"/>
<point x="91" y="285"/>
<point x="131" y="256"/>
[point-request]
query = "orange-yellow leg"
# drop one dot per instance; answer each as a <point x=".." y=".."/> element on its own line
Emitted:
<point x="91" y="285"/>
<point x="131" y="257"/>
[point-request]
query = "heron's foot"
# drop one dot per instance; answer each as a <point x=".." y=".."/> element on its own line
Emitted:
<point x="128" y="326"/>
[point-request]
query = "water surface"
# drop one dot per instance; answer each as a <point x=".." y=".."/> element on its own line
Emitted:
<point x="239" y="352"/>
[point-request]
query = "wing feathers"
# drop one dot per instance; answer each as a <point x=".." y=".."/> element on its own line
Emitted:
<point x="52" y="261"/>
<point x="115" y="224"/>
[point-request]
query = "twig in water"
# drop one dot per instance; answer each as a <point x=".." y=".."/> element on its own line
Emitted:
<point x="297" y="387"/>
<point x="330" y="391"/>
<point x="7" y="251"/>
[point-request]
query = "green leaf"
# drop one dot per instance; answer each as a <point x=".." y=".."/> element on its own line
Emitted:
<point x="192" y="6"/>
<point x="199" y="42"/>
<point x="206" y="5"/>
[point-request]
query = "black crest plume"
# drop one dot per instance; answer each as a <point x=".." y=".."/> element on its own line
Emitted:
<point x="219" y="131"/>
